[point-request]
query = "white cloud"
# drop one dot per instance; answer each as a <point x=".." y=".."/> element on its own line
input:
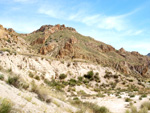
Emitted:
<point x="101" y="21"/>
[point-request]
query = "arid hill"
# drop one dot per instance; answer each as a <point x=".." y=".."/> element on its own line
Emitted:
<point x="57" y="70"/>
<point x="62" y="42"/>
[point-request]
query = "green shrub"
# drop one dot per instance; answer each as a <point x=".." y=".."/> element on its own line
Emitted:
<point x="107" y="72"/>
<point x="5" y="106"/>
<point x="10" y="70"/>
<point x="1" y="77"/>
<point x="115" y="76"/>
<point x="37" y="77"/>
<point x="75" y="98"/>
<point x="100" y="95"/>
<point x="95" y="108"/>
<point x="128" y="99"/>
<point x="25" y="85"/>
<point x="97" y="78"/>
<point x="89" y="75"/>
<point x="55" y="84"/>
<point x="101" y="109"/>
<point x="62" y="76"/>
<point x="131" y="95"/>
<point x="143" y="96"/>
<point x="31" y="74"/>
<point x="80" y="78"/>
<point x="14" y="81"/>
<point x="72" y="82"/>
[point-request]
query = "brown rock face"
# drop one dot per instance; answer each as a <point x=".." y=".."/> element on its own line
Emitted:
<point x="68" y="49"/>
<point x="106" y="48"/>
<point x="121" y="50"/>
<point x="11" y="30"/>
<point x="39" y="41"/>
<point x="73" y="40"/>
<point x="123" y="67"/>
<point x="135" y="53"/>
<point x="142" y="69"/>
<point x="45" y="49"/>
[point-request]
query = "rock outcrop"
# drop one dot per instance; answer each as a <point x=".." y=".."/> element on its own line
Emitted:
<point x="50" y="47"/>
<point x="106" y="48"/>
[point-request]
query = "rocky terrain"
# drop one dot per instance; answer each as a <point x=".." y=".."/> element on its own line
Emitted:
<point x="57" y="70"/>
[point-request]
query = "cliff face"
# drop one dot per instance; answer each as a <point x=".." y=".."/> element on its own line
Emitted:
<point x="63" y="42"/>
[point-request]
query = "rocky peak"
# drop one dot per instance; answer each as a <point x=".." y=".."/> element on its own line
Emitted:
<point x="122" y="50"/>
<point x="52" y="29"/>
<point x="11" y="30"/>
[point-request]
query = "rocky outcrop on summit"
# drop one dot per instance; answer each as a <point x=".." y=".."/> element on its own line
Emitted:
<point x="51" y="29"/>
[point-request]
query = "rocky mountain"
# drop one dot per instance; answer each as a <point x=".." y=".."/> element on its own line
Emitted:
<point x="62" y="42"/>
<point x="57" y="70"/>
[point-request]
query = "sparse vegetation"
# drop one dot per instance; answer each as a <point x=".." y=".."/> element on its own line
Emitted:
<point x="31" y="74"/>
<point x="72" y="82"/>
<point x="1" y="67"/>
<point x="10" y="70"/>
<point x="28" y="99"/>
<point x="37" y="77"/>
<point x="5" y="106"/>
<point x="133" y="109"/>
<point x="128" y="100"/>
<point x="89" y="75"/>
<point x="62" y="76"/>
<point x="146" y="105"/>
<point x="14" y="81"/>
<point x="94" y="108"/>
<point x="1" y="77"/>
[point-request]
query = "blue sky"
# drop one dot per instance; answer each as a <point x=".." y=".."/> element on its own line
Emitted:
<point x="120" y="23"/>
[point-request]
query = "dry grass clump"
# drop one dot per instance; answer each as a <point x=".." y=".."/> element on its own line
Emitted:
<point x="144" y="108"/>
<point x="1" y="77"/>
<point x="5" y="106"/>
<point x="146" y="105"/>
<point x="92" y="108"/>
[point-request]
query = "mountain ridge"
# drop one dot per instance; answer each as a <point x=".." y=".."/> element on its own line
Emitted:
<point x="61" y="42"/>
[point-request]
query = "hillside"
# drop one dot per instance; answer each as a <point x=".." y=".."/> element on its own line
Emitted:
<point x="148" y="54"/>
<point x="57" y="70"/>
<point x="62" y="42"/>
